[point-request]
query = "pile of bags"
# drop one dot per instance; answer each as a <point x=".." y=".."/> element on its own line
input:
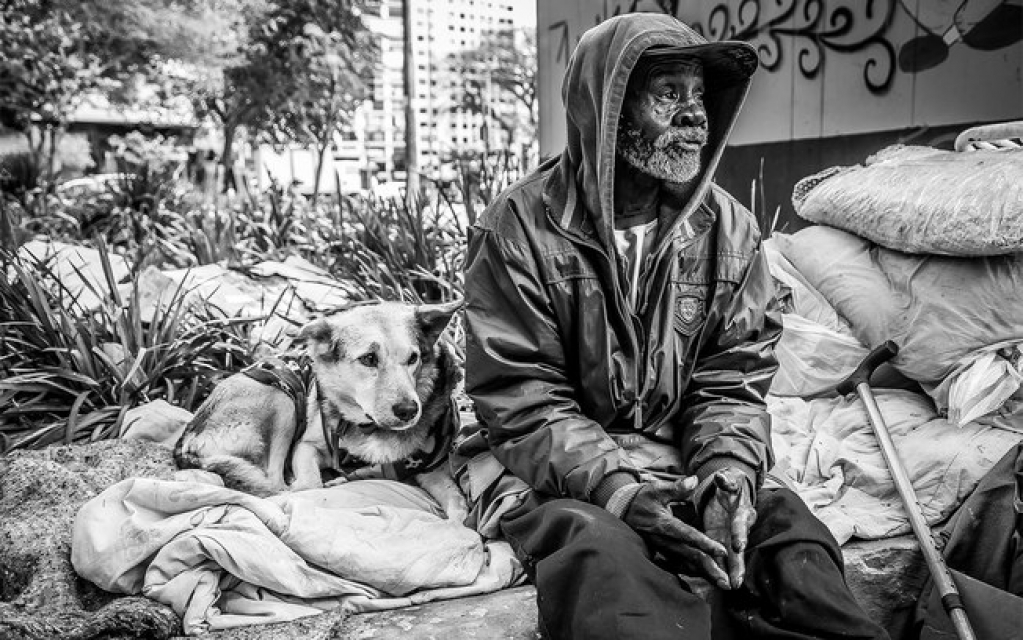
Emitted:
<point x="924" y="248"/>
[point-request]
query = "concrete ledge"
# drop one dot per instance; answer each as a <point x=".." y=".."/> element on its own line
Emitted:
<point x="509" y="615"/>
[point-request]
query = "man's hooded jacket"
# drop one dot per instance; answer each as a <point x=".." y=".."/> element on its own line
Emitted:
<point x="571" y="383"/>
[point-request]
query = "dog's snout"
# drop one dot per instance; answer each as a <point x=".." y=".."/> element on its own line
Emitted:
<point x="405" y="410"/>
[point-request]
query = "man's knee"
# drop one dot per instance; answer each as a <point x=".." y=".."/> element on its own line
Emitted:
<point x="783" y="518"/>
<point x="573" y="526"/>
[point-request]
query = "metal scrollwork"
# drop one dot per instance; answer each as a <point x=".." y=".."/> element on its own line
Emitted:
<point x="814" y="27"/>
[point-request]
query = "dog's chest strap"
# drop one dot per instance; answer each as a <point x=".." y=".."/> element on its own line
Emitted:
<point x="291" y="380"/>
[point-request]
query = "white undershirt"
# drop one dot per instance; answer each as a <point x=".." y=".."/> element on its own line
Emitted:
<point x="634" y="244"/>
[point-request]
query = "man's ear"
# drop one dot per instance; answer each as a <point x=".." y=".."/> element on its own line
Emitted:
<point x="432" y="319"/>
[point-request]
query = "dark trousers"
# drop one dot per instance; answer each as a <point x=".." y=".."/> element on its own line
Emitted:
<point x="596" y="578"/>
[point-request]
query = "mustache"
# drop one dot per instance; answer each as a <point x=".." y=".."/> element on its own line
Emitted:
<point x="681" y="135"/>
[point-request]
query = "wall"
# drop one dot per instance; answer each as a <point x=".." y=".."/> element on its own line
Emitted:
<point x="838" y="80"/>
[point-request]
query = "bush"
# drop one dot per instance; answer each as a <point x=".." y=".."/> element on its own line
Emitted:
<point x="70" y="376"/>
<point x="19" y="174"/>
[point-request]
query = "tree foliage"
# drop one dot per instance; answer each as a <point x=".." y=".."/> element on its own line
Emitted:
<point x="55" y="53"/>
<point x="329" y="57"/>
<point x="301" y="69"/>
<point x="52" y="52"/>
<point x="503" y="66"/>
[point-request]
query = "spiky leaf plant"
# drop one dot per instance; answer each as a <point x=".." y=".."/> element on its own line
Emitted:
<point x="69" y="374"/>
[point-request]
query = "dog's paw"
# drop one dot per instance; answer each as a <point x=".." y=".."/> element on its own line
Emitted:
<point x="336" y="482"/>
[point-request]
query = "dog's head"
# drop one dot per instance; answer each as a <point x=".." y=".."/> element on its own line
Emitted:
<point x="375" y="363"/>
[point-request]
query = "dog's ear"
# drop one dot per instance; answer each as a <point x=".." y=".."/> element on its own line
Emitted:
<point x="433" y="318"/>
<point x="316" y="331"/>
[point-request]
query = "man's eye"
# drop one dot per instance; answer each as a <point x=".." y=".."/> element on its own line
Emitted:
<point x="368" y="360"/>
<point x="414" y="358"/>
<point x="669" y="94"/>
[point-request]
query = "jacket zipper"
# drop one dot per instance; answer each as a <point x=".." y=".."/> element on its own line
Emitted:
<point x="634" y="322"/>
<point x="644" y="296"/>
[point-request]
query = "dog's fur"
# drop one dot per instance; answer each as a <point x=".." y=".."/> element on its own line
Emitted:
<point x="383" y="385"/>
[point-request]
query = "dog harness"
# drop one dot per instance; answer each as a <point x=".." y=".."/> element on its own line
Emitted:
<point x="435" y="453"/>
<point x="292" y="376"/>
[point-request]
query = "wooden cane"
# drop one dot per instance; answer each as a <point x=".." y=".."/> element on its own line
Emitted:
<point x="859" y="381"/>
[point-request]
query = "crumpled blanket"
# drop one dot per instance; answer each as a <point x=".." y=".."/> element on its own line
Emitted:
<point x="827" y="453"/>
<point x="222" y="558"/>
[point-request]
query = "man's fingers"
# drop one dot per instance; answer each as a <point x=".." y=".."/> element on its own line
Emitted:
<point x="694" y="561"/>
<point x="741" y="524"/>
<point x="675" y="490"/>
<point x="675" y="529"/>
<point x="726" y="483"/>
<point x="736" y="569"/>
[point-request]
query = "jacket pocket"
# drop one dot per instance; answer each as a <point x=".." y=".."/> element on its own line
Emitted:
<point x="690" y="307"/>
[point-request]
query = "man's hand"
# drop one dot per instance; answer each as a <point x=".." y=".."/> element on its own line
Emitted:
<point x="650" y="515"/>
<point x="727" y="518"/>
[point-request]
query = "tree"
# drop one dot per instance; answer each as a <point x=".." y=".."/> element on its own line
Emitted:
<point x="503" y="66"/>
<point x="44" y="71"/>
<point x="54" y="53"/>
<point x="328" y="57"/>
<point x="239" y="80"/>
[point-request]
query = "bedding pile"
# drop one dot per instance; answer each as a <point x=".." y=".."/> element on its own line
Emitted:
<point x="951" y="398"/>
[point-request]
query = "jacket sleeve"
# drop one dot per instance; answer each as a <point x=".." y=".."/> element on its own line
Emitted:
<point x="726" y="421"/>
<point x="516" y="374"/>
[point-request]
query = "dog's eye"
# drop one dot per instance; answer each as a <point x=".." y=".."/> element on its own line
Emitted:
<point x="414" y="358"/>
<point x="368" y="360"/>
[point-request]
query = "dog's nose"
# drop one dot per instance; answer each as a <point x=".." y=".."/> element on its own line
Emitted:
<point x="405" y="410"/>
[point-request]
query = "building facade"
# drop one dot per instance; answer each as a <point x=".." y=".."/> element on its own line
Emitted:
<point x="446" y="127"/>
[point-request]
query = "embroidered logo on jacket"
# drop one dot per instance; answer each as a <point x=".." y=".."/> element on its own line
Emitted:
<point x="689" y="313"/>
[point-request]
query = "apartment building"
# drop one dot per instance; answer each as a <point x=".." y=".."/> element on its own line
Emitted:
<point x="443" y="129"/>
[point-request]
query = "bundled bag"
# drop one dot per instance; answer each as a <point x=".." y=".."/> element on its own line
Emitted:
<point x="939" y="310"/>
<point x="923" y="200"/>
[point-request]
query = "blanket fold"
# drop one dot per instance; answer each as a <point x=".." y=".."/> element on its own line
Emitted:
<point x="221" y="558"/>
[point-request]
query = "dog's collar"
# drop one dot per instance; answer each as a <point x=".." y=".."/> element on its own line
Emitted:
<point x="339" y="458"/>
<point x="441" y="437"/>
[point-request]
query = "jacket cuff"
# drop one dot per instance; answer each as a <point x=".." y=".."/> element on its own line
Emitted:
<point x="611" y="483"/>
<point x="622" y="499"/>
<point x="705" y="474"/>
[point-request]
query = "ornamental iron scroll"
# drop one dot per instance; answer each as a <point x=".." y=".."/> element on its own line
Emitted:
<point x="813" y="27"/>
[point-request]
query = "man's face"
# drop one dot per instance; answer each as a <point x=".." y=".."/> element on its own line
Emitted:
<point x="664" y="123"/>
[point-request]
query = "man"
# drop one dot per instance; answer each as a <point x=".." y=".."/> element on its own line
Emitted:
<point x="621" y="323"/>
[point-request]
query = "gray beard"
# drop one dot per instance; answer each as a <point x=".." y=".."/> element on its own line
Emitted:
<point x="662" y="158"/>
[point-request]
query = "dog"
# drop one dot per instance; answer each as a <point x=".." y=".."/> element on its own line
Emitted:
<point x="370" y="396"/>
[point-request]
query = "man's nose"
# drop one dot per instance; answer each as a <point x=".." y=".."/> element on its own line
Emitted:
<point x="690" y="114"/>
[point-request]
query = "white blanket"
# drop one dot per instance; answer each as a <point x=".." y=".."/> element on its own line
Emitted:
<point x="827" y="452"/>
<point x="221" y="558"/>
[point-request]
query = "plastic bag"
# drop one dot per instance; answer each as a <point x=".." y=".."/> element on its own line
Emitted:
<point x="813" y="359"/>
<point x="983" y="386"/>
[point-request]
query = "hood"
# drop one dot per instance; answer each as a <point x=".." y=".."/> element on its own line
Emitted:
<point x="579" y="190"/>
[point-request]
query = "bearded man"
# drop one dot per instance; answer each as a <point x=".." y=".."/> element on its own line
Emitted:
<point x="621" y="322"/>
